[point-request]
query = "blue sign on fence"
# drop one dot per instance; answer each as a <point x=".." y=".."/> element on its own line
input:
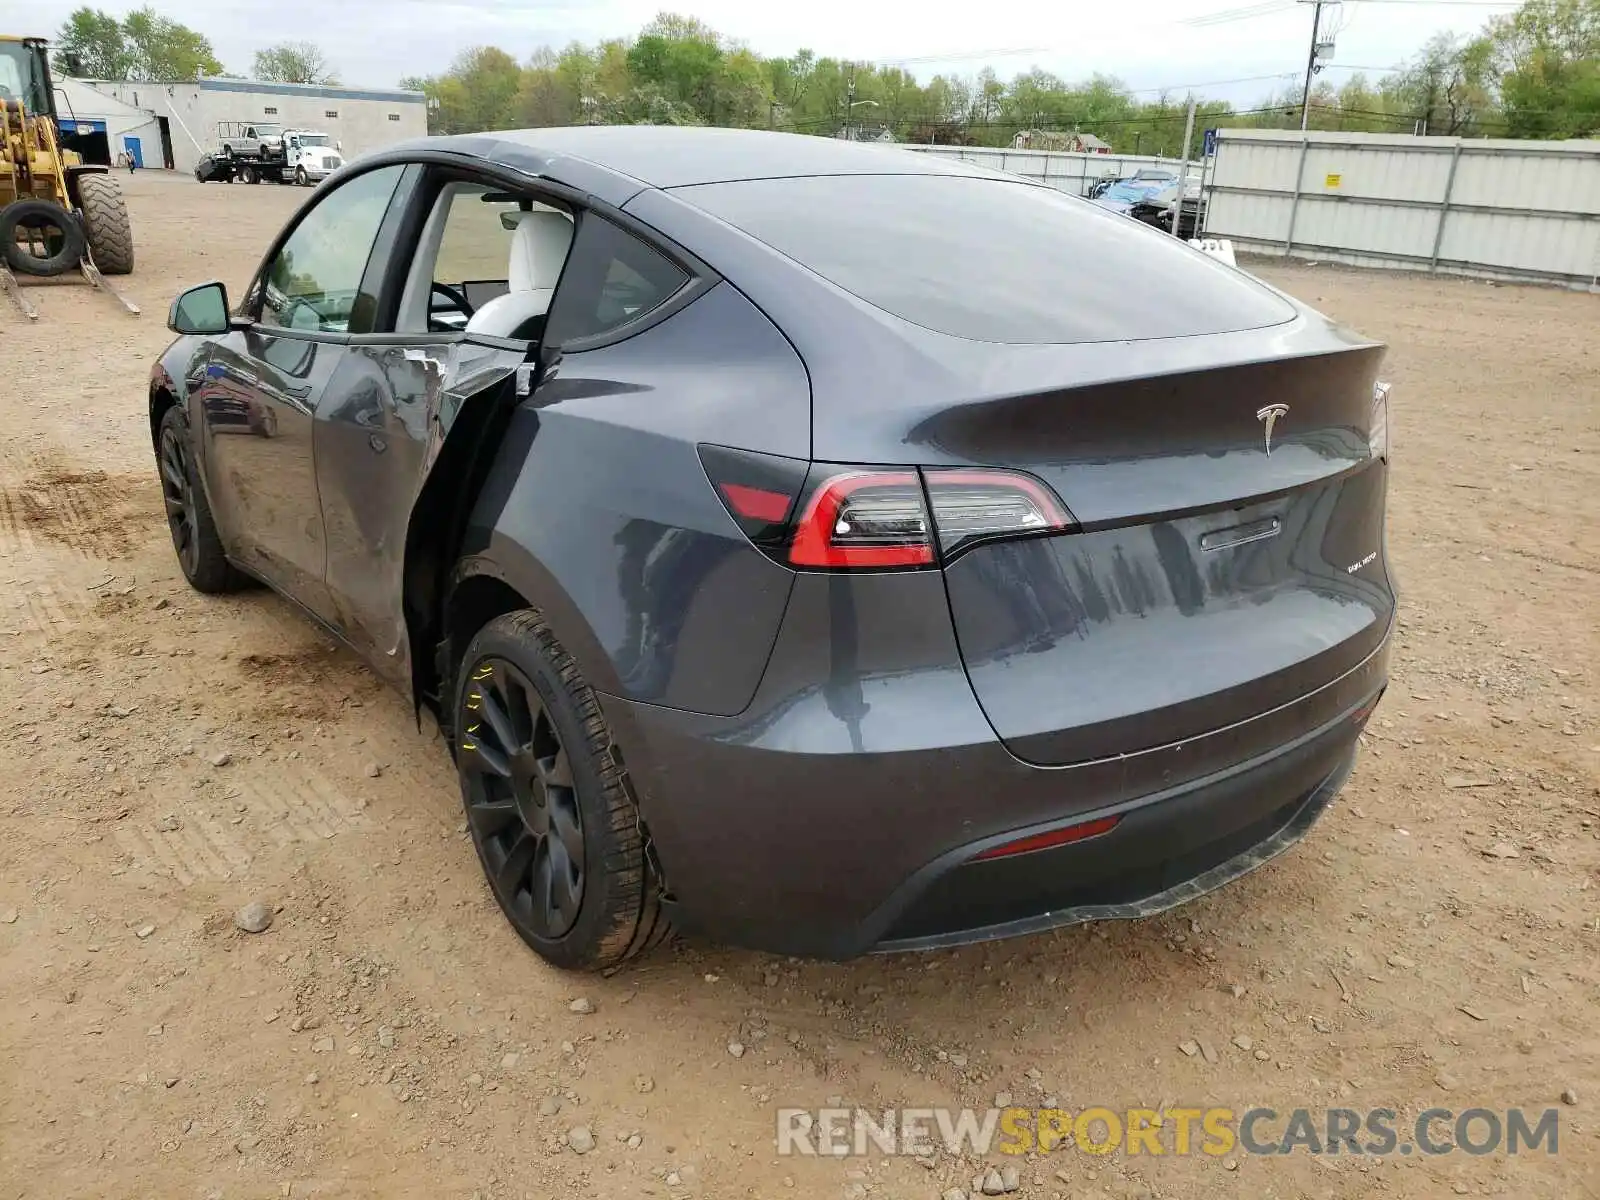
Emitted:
<point x="1210" y="142"/>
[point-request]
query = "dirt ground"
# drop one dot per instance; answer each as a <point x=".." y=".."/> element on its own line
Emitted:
<point x="169" y="758"/>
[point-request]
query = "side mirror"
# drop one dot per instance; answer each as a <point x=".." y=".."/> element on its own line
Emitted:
<point x="339" y="146"/>
<point x="202" y="309"/>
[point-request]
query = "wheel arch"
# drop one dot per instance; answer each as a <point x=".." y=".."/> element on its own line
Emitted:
<point x="163" y="396"/>
<point x="477" y="588"/>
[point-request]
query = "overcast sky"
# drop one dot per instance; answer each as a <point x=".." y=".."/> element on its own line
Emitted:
<point x="1147" y="44"/>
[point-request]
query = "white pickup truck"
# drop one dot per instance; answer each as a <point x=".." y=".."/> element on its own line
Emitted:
<point x="255" y="141"/>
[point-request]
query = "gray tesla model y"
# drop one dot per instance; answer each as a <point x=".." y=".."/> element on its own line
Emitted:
<point x="821" y="547"/>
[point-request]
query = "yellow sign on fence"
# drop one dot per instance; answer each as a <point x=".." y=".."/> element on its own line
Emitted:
<point x="1333" y="181"/>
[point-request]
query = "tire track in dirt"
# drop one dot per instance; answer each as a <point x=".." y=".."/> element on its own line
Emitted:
<point x="191" y="844"/>
<point x="302" y="807"/>
<point x="188" y="846"/>
<point x="95" y="513"/>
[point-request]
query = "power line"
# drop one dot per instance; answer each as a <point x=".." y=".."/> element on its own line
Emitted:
<point x="1229" y="15"/>
<point x="1181" y="87"/>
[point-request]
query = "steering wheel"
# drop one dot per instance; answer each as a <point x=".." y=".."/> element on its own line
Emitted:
<point x="456" y="296"/>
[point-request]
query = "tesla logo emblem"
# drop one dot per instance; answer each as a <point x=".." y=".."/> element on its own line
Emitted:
<point x="1270" y="415"/>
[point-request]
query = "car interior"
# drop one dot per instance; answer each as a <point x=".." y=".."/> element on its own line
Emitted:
<point x="487" y="262"/>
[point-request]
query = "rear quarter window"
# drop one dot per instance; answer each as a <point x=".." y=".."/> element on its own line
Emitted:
<point x="611" y="280"/>
<point x="993" y="261"/>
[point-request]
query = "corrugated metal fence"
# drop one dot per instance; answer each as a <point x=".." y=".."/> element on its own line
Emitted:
<point x="1489" y="208"/>
<point x="1063" y="171"/>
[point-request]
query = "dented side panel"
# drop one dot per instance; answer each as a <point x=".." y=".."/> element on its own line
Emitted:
<point x="380" y="425"/>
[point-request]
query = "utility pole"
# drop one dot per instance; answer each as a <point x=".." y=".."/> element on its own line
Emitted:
<point x="1317" y="47"/>
<point x="1183" y="176"/>
<point x="1311" y="62"/>
<point x="849" y="100"/>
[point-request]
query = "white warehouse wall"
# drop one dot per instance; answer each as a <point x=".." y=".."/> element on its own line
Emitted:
<point x="77" y="102"/>
<point x="364" y="120"/>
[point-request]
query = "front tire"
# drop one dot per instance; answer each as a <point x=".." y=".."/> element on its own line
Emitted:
<point x="301" y="178"/>
<point x="194" y="533"/>
<point x="548" y="801"/>
<point x="106" y="224"/>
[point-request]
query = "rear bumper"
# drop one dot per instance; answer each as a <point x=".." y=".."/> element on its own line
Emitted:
<point x="1163" y="853"/>
<point x="840" y="813"/>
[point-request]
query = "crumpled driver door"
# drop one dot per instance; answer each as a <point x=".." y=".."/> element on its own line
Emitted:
<point x="381" y="429"/>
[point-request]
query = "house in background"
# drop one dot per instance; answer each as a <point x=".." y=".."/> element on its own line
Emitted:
<point x="1068" y="143"/>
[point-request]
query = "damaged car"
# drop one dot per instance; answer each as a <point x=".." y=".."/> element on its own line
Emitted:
<point x="819" y="547"/>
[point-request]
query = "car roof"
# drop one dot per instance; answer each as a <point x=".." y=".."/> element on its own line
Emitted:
<point x="669" y="156"/>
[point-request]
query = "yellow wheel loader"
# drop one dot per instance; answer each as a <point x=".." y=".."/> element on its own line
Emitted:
<point x="57" y="213"/>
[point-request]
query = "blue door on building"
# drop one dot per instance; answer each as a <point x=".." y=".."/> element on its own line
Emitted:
<point x="134" y="150"/>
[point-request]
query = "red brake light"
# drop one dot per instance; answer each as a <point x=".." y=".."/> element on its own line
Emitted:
<point x="1055" y="837"/>
<point x="864" y="519"/>
<point x="835" y="516"/>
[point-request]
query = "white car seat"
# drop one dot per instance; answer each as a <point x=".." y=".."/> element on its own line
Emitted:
<point x="539" y="246"/>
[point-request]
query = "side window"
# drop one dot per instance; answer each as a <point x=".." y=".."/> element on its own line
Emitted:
<point x="314" y="281"/>
<point x="612" y="278"/>
<point x="487" y="261"/>
<point x="476" y="244"/>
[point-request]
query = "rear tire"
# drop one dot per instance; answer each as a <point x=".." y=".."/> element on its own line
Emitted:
<point x="105" y="221"/>
<point x="533" y="751"/>
<point x="194" y="533"/>
<point x="247" y="174"/>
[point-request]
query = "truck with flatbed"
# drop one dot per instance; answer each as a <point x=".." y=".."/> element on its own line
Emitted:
<point x="266" y="152"/>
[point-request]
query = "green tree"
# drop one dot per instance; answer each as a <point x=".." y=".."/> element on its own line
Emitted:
<point x="92" y="45"/>
<point x="163" y="51"/>
<point x="1547" y="55"/>
<point x="294" y="62"/>
<point x="1448" y="87"/>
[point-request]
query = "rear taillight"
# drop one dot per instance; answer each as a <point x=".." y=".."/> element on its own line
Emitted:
<point x="1378" y="437"/>
<point x="864" y="518"/>
<point x="969" y="506"/>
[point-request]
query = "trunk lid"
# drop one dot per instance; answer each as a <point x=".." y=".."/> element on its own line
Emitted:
<point x="1213" y="578"/>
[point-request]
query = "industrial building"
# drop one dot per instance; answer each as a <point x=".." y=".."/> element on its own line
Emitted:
<point x="172" y="124"/>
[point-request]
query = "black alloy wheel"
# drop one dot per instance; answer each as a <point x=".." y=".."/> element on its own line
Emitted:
<point x="178" y="494"/>
<point x="522" y="800"/>
<point x="194" y="534"/>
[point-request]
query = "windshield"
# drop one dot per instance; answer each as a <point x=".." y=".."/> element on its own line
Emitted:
<point x="17" y="78"/>
<point x="315" y="139"/>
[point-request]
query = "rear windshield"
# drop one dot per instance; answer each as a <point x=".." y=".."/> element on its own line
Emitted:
<point x="991" y="260"/>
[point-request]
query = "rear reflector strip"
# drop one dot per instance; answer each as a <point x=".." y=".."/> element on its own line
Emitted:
<point x="1055" y="837"/>
<point x="757" y="504"/>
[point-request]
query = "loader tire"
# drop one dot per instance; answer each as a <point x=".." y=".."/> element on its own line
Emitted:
<point x="66" y="249"/>
<point x="105" y="221"/>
